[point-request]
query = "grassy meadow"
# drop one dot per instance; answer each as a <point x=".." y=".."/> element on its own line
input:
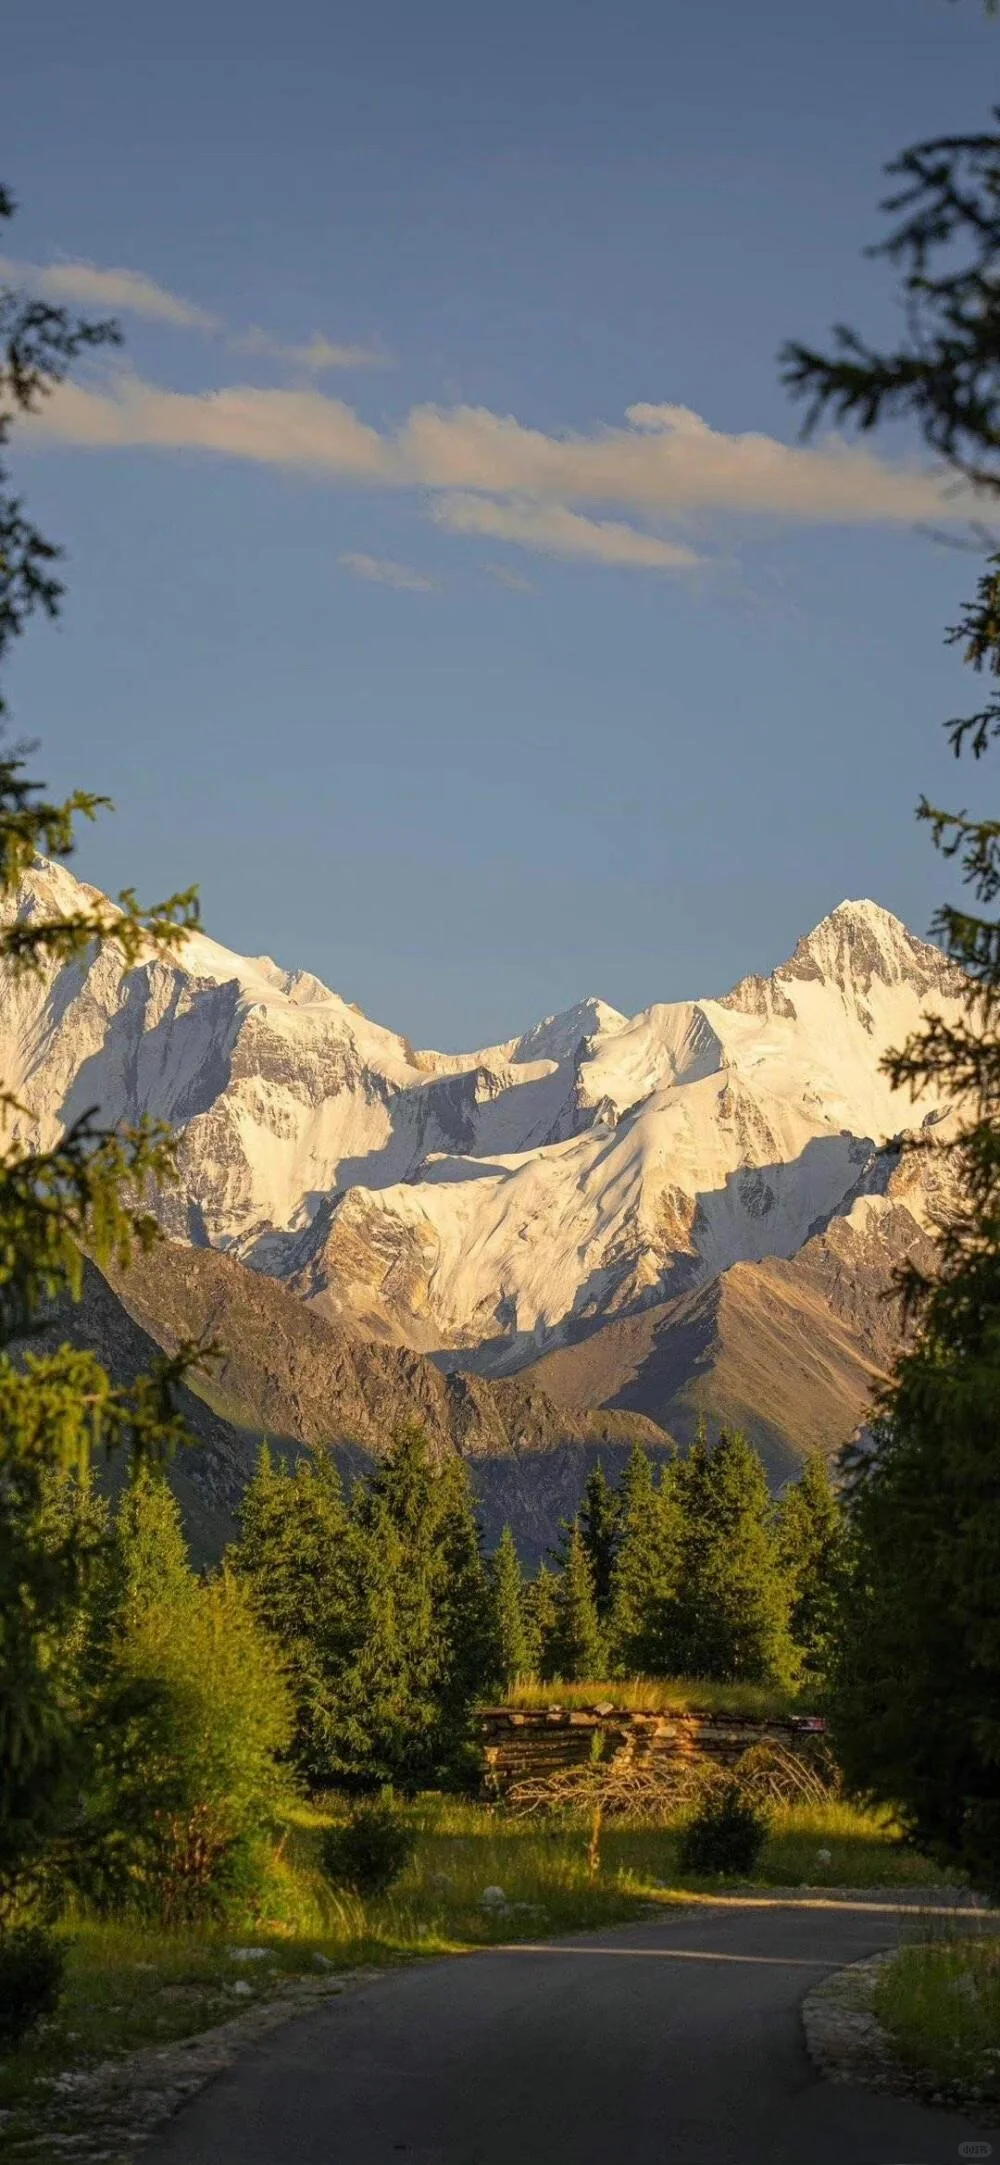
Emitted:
<point x="130" y="1986"/>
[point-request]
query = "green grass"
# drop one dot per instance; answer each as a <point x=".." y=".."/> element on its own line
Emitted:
<point x="940" y="2004"/>
<point x="833" y="1845"/>
<point x="128" y="1986"/>
<point x="661" y="1695"/>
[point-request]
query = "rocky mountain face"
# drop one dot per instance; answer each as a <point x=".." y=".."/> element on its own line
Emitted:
<point x="287" y="1375"/>
<point x="790" y="1349"/>
<point x="695" y="1206"/>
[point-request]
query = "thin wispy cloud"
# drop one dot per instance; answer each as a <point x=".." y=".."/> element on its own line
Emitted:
<point x="125" y="292"/>
<point x="489" y="475"/>
<point x="555" y="530"/>
<point x="382" y="571"/>
<point x="316" y="355"/>
<point x="514" y="580"/>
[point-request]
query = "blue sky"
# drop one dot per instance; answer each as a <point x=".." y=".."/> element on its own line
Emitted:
<point x="412" y="613"/>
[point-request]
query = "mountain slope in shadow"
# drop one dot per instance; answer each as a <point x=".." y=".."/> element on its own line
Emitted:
<point x="287" y="1374"/>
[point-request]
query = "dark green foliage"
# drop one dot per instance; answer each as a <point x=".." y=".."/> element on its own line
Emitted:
<point x="599" y="1531"/>
<point x="189" y="1716"/>
<point x="811" y="1547"/>
<point x="641" y="1625"/>
<point x="299" y="1557"/>
<point x="52" y="1533"/>
<point x="371" y="1852"/>
<point x="57" y="1411"/>
<point x="729" y="1618"/>
<point x="917" y="1677"/>
<point x="574" y="1648"/>
<point x="384" y="1611"/>
<point x="916" y="1683"/>
<point x="726" y="1835"/>
<point x="513" y="1646"/>
<point x="426" y="1647"/>
<point x="540" y="1618"/>
<point x="32" y="1964"/>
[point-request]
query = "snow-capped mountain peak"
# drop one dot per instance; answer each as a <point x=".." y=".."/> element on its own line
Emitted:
<point x="494" y="1201"/>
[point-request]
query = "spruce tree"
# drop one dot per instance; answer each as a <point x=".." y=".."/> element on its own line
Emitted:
<point x="89" y="1189"/>
<point x="299" y="1557"/>
<point x="423" y="1648"/>
<point x="513" y="1648"/>
<point x="151" y="1563"/>
<point x="917" y="1688"/>
<point x="729" y="1619"/>
<point x="575" y="1651"/>
<point x="599" y="1529"/>
<point x="540" y="1620"/>
<point x="644" y="1580"/>
<point x="464" y="1620"/>
<point x="810" y="1530"/>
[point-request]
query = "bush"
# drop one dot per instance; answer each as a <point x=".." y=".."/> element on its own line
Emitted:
<point x="725" y="1836"/>
<point x="371" y="1851"/>
<point x="31" y="1975"/>
<point x="189" y="1780"/>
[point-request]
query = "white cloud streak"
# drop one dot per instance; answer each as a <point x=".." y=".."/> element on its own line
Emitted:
<point x="383" y="572"/>
<point x="497" y="478"/>
<point x="555" y="530"/>
<point x="318" y="354"/>
<point x="299" y="429"/>
<point x="132" y="293"/>
<point x="128" y="292"/>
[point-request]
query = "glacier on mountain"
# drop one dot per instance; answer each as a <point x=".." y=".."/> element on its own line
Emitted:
<point x="487" y="1206"/>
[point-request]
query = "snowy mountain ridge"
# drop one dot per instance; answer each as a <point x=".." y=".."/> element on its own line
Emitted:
<point x="491" y="1205"/>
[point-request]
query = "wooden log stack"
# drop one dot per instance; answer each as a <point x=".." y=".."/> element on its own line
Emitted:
<point x="529" y="1743"/>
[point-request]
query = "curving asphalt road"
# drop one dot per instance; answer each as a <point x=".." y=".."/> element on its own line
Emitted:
<point x="672" y="2043"/>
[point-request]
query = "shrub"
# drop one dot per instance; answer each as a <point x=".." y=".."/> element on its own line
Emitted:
<point x="371" y="1851"/>
<point x="726" y="1835"/>
<point x="31" y="1975"/>
<point x="196" y="1716"/>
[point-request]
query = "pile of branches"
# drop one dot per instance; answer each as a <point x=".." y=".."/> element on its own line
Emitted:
<point x="656" y="1785"/>
<point x="652" y="1787"/>
<point x="771" y="1774"/>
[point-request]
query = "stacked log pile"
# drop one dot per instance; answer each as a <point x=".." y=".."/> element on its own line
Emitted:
<point x="531" y="1743"/>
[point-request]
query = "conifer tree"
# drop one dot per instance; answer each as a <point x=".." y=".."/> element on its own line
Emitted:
<point x="464" y="1620"/>
<point x="56" y="1410"/>
<point x="390" y="1692"/>
<point x="575" y="1648"/>
<point x="599" y="1528"/>
<point x="513" y="1648"/>
<point x="151" y="1563"/>
<point x="540" y="1619"/>
<point x="916" y="1702"/>
<point x="810" y="1532"/>
<point x="299" y="1557"/>
<point x="730" y="1615"/>
<point x="382" y="1609"/>
<point x="644" y="1581"/>
<point x="917" y="1692"/>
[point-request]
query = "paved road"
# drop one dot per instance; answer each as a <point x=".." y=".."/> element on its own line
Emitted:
<point x="671" y="2043"/>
